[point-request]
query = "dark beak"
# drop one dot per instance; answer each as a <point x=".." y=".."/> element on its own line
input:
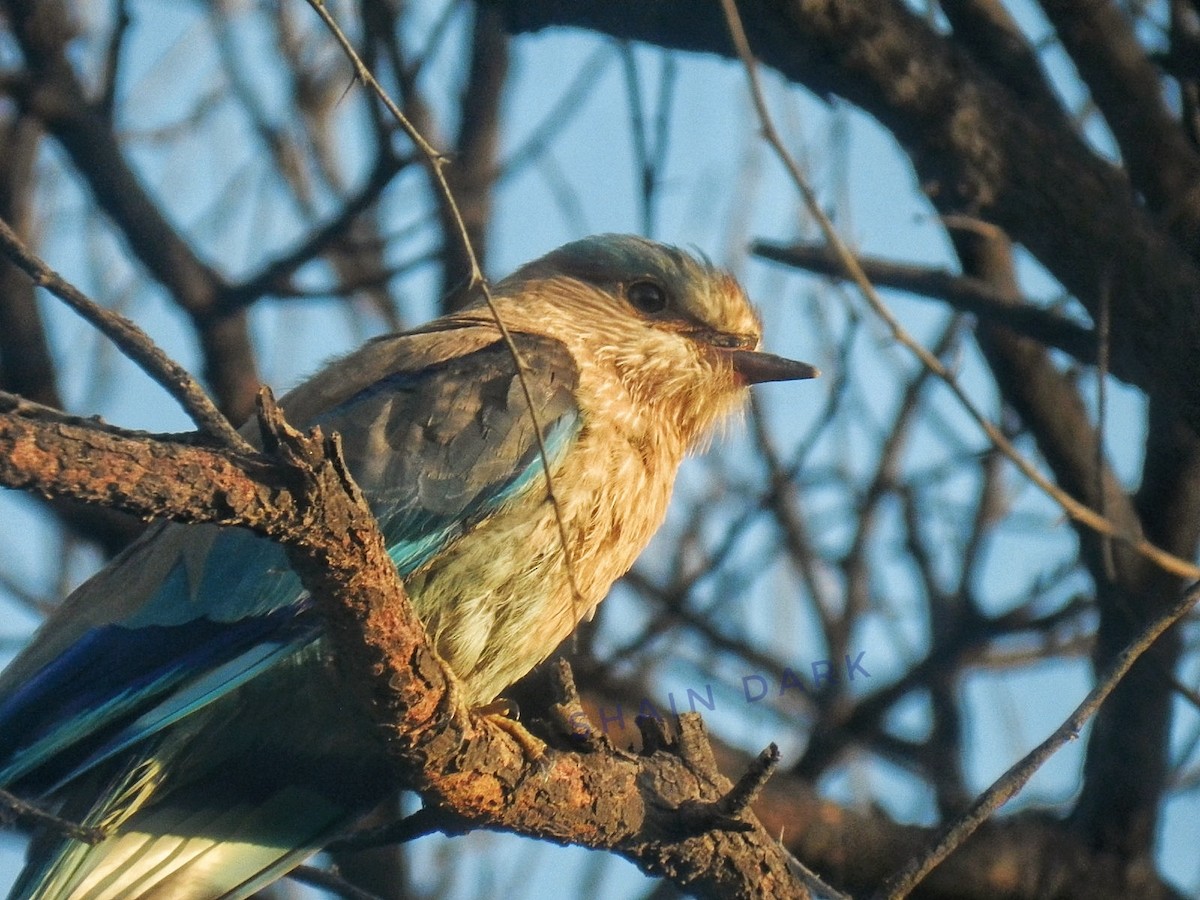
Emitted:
<point x="756" y="367"/>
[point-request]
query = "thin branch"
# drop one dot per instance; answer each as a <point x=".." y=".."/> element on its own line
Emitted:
<point x="13" y="806"/>
<point x="56" y="96"/>
<point x="559" y="116"/>
<point x="331" y="882"/>
<point x="647" y="175"/>
<point x="729" y="810"/>
<point x="471" y="179"/>
<point x="971" y="295"/>
<point x="134" y="342"/>
<point x="427" y="820"/>
<point x="1103" y="325"/>
<point x="1012" y="781"/>
<point x="436" y="163"/>
<point x="299" y="494"/>
<point x="274" y="276"/>
<point x="362" y="281"/>
<point x="112" y="58"/>
<point x="1072" y="507"/>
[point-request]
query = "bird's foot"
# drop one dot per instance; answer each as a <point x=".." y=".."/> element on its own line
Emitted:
<point x="501" y="707"/>
<point x="504" y="714"/>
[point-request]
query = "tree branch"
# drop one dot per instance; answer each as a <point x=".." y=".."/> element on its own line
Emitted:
<point x="134" y="342"/>
<point x="1127" y="87"/>
<point x="963" y="292"/>
<point x="300" y="494"/>
<point x="979" y="149"/>
<point x="56" y="96"/>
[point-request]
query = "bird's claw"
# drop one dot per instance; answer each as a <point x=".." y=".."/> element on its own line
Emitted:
<point x="502" y="713"/>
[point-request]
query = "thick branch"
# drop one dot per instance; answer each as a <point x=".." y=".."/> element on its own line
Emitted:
<point x="26" y="365"/>
<point x="978" y="148"/>
<point x="1127" y="766"/>
<point x="963" y="292"/>
<point x="987" y="29"/>
<point x="56" y="96"/>
<point x="473" y="174"/>
<point x="301" y="495"/>
<point x="1128" y="89"/>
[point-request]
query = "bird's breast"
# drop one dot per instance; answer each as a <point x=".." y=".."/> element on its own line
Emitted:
<point x="500" y="600"/>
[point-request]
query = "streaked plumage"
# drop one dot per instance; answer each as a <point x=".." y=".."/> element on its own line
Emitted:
<point x="182" y="697"/>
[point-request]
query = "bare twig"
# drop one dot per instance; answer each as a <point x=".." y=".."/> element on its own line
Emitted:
<point x="1080" y="512"/>
<point x="436" y="163"/>
<point x="962" y="292"/>
<point x="727" y="812"/>
<point x="134" y="343"/>
<point x="331" y="882"/>
<point x="274" y="277"/>
<point x="14" y="806"/>
<point x="1103" y="337"/>
<point x="1012" y="781"/>
<point x="426" y="820"/>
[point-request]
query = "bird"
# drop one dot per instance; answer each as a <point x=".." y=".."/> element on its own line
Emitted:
<point x="183" y="702"/>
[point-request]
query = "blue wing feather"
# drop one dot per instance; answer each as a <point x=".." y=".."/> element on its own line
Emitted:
<point x="436" y="450"/>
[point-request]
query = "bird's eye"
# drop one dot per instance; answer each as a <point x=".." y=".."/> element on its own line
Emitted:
<point x="647" y="296"/>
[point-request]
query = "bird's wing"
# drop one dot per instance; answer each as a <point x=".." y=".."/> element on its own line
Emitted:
<point x="438" y="444"/>
<point x="435" y="462"/>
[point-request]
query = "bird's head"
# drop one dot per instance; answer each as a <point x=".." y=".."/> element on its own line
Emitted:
<point x="679" y="332"/>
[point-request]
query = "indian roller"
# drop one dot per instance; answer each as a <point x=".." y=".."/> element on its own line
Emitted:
<point x="182" y="700"/>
